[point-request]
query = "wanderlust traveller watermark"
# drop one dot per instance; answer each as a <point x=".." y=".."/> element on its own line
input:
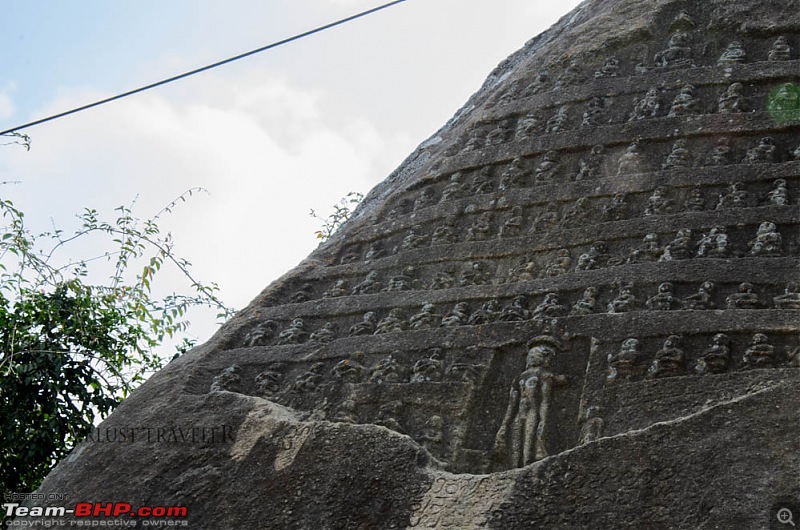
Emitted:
<point x="191" y="435"/>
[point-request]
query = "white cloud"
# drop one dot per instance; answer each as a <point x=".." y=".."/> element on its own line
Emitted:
<point x="6" y="106"/>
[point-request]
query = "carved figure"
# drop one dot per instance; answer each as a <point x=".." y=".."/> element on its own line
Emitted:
<point x="658" y="203"/>
<point x="592" y="116"/>
<point x="669" y="359"/>
<point x="557" y="122"/>
<point x="624" y="364"/>
<point x="261" y="334"/>
<point x="736" y="197"/>
<point x="549" y="308"/>
<point x="702" y="299"/>
<point x="425" y="199"/>
<point x="499" y="134"/>
<point x="445" y="233"/>
<point x="744" y="298"/>
<point x="475" y="273"/>
<point x="768" y="241"/>
<point x="790" y="299"/>
<point x="526" y="271"/>
<point x="609" y="69"/>
<point x="664" y="300"/>
<point x="513" y="225"/>
<point x="779" y="194"/>
<point x="413" y="240"/>
<point x="428" y="369"/>
<point x="625" y="300"/>
<point x="366" y="326"/>
<point x="648" y="251"/>
<point x="338" y="289"/>
<point x="388" y="414"/>
<point x="589" y="167"/>
<point x="759" y="353"/>
<point x="766" y="152"/>
<point x="591" y="426"/>
<point x="426" y="318"/>
<point x="304" y="294"/>
<point x="716" y="358"/>
<point x="376" y="251"/>
<point x="647" y="106"/>
<point x="229" y="380"/>
<point x="453" y="188"/>
<point x="631" y="161"/>
<point x="579" y="214"/>
<point x="569" y="76"/>
<point x="369" y="285"/>
<point x="695" y="202"/>
<point x="733" y="54"/>
<point x="459" y="316"/>
<point x="481" y="229"/>
<point x="781" y="51"/>
<point x="489" y="312"/>
<point x="617" y="208"/>
<point x="547" y="169"/>
<point x="514" y="175"/>
<point x="401" y="282"/>
<point x="386" y="370"/>
<point x="586" y="305"/>
<point x="324" y="334"/>
<point x="516" y="311"/>
<point x="528" y="127"/>
<point x="560" y="264"/>
<point x="443" y="279"/>
<point x="722" y="154"/>
<point x="679" y="248"/>
<point x="473" y="143"/>
<point x="598" y="252"/>
<point x="268" y="382"/>
<point x="295" y="334"/>
<point x="715" y="244"/>
<point x="679" y="156"/>
<point x="679" y="52"/>
<point x="350" y="370"/>
<point x="346" y="412"/>
<point x="309" y="381"/>
<point x="391" y="323"/>
<point x="522" y="438"/>
<point x="732" y="100"/>
<point x="684" y="103"/>
<point x="482" y="182"/>
<point x="431" y="435"/>
<point x="546" y="219"/>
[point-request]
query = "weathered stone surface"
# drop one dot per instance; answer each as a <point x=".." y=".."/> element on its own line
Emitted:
<point x="574" y="307"/>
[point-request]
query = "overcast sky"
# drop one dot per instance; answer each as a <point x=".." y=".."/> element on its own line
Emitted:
<point x="269" y="137"/>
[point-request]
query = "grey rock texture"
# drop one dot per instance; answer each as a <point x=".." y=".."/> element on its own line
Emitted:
<point x="575" y="306"/>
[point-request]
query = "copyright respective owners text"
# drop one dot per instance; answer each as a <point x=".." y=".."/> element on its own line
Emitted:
<point x="94" y="515"/>
<point x="784" y="514"/>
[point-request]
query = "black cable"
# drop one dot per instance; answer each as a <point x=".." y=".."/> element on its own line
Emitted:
<point x="203" y="69"/>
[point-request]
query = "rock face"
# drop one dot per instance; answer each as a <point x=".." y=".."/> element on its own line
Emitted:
<point x="574" y="307"/>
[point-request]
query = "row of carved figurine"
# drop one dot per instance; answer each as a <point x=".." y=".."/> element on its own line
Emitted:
<point x="596" y="165"/>
<point x="270" y="381"/>
<point x="518" y="310"/>
<point x="677" y="54"/>
<point x="670" y="359"/>
<point x="783" y="104"/>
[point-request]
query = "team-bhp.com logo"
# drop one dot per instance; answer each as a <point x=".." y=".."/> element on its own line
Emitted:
<point x="88" y="509"/>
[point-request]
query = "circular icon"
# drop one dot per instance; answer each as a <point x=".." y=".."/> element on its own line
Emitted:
<point x="785" y="516"/>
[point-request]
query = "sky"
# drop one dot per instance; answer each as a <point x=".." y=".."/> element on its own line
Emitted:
<point x="269" y="137"/>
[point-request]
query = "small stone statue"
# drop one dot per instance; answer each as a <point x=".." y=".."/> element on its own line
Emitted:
<point x="546" y="220"/>
<point x="658" y="203"/>
<point x="499" y="134"/>
<point x="722" y="154"/>
<point x="631" y="161"/>
<point x="366" y="326"/>
<point x="617" y="208"/>
<point x="425" y="199"/>
<point x="392" y="323"/>
<point x="324" y="334"/>
<point x="578" y="214"/>
<point x="558" y="122"/>
<point x="539" y="82"/>
<point x="526" y="271"/>
<point x="309" y="381"/>
<point x="679" y="52"/>
<point x="473" y="143"/>
<point x="715" y="244"/>
<point x="571" y="75"/>
<point x="679" y="248"/>
<point x="482" y="182"/>
<point x="549" y="308"/>
<point x="760" y="353"/>
<point x="522" y="438"/>
<point x="428" y="369"/>
<point x="609" y="69"/>
<point x="591" y="426"/>
<point x="590" y="166"/>
<point x="401" y="282"/>
<point x="427" y="318"/>
<point x="346" y="413"/>
<point x="528" y="127"/>
<point x="370" y="284"/>
<point x="453" y="188"/>
<point x="376" y="251"/>
<point x="261" y="334"/>
<point x="350" y="370"/>
<point x="386" y="370"/>
<point x="779" y="194"/>
<point x="768" y="241"/>
<point x="295" y="334"/>
<point x="684" y="103"/>
<point x="649" y="251"/>
<point x="413" y="240"/>
<point x="489" y="312"/>
<point x="229" y="380"/>
<point x="790" y="299"/>
<point x="547" y="169"/>
<point x="459" y="316"/>
<point x="744" y="298"/>
<point x="624" y="364"/>
<point x="304" y="294"/>
<point x="512" y="227"/>
<point x="625" y="300"/>
<point x="268" y="382"/>
<point x="732" y="100"/>
<point x="736" y="197"/>
<point x="733" y="54"/>
<point x="476" y="273"/>
<point x="388" y="414"/>
<point x="766" y="152"/>
<point x="598" y="252"/>
<point x="445" y="234"/>
<point x="678" y="158"/>
<point x="592" y="116"/>
<point x="664" y="300"/>
<point x="695" y="202"/>
<point x="781" y="51"/>
<point x="514" y="175"/>
<point x="481" y="229"/>
<point x="646" y="107"/>
<point x="466" y="372"/>
<point x="716" y="358"/>
<point x="431" y="435"/>
<point x="516" y="311"/>
<point x="702" y="299"/>
<point x="338" y="289"/>
<point x="669" y="359"/>
<point x="561" y="264"/>
<point x="586" y="305"/>
<point x="443" y="279"/>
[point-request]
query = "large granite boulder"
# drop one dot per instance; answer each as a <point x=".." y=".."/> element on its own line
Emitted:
<point x="575" y="306"/>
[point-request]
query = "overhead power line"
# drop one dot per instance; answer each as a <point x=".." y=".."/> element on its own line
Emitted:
<point x="203" y="69"/>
